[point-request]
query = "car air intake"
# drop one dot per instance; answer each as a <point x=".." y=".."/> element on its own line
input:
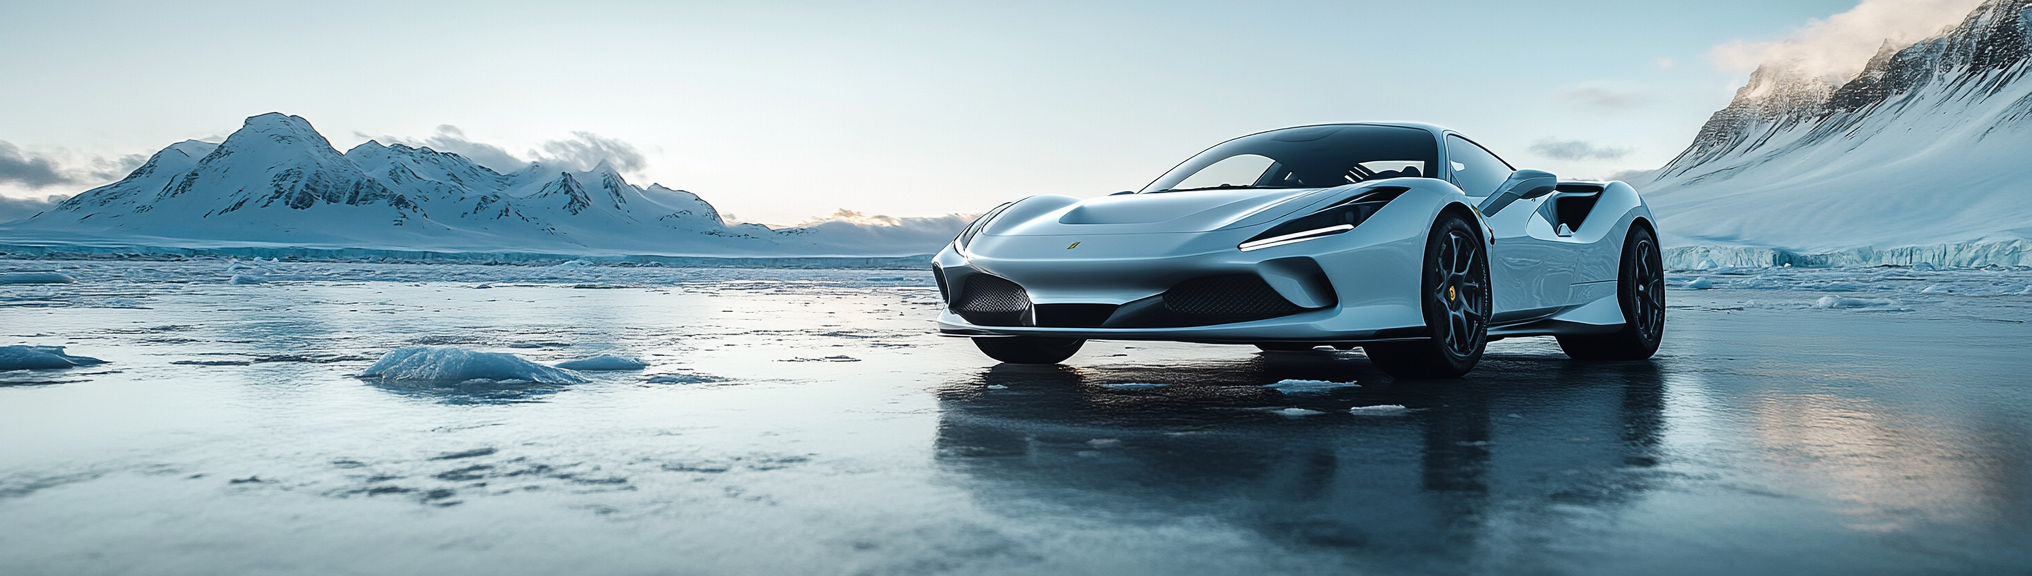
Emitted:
<point x="1229" y="298"/>
<point x="992" y="301"/>
<point x="1074" y="315"/>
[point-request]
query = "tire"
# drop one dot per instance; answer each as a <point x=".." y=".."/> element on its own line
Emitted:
<point x="1285" y="346"/>
<point x="1029" y="349"/>
<point x="1456" y="297"/>
<point x="1640" y="290"/>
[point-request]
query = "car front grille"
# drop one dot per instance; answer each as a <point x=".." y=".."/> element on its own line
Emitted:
<point x="992" y="301"/>
<point x="1229" y="298"/>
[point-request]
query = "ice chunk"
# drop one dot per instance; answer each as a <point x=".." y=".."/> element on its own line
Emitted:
<point x="1937" y="289"/>
<point x="40" y="357"/>
<point x="1309" y="386"/>
<point x="447" y="364"/>
<point x="1378" y="410"/>
<point x="605" y="362"/>
<point x="684" y="379"/>
<point x="1296" y="412"/>
<point x="1832" y="302"/>
<point x="35" y="278"/>
<point x="1706" y="265"/>
<point x="1133" y="385"/>
<point x="1922" y="266"/>
<point x="247" y="279"/>
<point x="1699" y="284"/>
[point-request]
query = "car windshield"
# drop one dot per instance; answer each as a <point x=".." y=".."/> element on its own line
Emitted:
<point x="1307" y="157"/>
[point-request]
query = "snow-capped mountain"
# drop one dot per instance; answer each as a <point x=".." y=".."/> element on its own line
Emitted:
<point x="1931" y="144"/>
<point x="277" y="181"/>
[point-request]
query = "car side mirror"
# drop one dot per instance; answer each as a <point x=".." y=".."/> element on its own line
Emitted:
<point x="1522" y="185"/>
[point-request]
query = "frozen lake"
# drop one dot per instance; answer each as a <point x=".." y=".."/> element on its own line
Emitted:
<point x="810" y="422"/>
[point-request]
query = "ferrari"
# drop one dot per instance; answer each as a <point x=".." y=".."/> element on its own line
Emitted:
<point x="1407" y="240"/>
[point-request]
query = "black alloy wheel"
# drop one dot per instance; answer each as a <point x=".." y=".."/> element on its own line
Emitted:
<point x="1640" y="290"/>
<point x="1029" y="349"/>
<point x="1456" y="297"/>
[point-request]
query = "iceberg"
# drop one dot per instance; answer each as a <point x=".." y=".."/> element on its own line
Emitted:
<point x="604" y="362"/>
<point x="41" y="357"/>
<point x="35" y="278"/>
<point x="448" y="364"/>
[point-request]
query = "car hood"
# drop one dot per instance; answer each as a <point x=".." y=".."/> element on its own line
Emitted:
<point x="1198" y="211"/>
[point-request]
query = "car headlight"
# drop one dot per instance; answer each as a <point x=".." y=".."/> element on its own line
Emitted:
<point x="1336" y="219"/>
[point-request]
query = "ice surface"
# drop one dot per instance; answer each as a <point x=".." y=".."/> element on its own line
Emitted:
<point x="1309" y="386"/>
<point x="41" y="357"/>
<point x="584" y="478"/>
<point x="449" y="364"/>
<point x="604" y="362"/>
<point x="1133" y="385"/>
<point x="35" y="278"/>
<point x="1378" y="410"/>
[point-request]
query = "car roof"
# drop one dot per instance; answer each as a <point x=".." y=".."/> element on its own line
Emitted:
<point x="1433" y="128"/>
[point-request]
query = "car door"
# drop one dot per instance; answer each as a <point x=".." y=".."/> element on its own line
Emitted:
<point x="1530" y="279"/>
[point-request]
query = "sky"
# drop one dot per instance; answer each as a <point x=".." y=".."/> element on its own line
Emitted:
<point x="783" y="112"/>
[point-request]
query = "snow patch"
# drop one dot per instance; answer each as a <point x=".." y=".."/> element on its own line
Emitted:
<point x="1296" y="412"/>
<point x="1379" y="410"/>
<point x="41" y="357"/>
<point x="1309" y="386"/>
<point x="604" y="362"/>
<point x="447" y="364"/>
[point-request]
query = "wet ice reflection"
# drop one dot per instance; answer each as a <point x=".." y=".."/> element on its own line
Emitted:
<point x="810" y="422"/>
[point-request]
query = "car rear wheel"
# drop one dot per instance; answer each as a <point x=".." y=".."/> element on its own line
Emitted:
<point x="1456" y="300"/>
<point x="1029" y="349"/>
<point x="1640" y="289"/>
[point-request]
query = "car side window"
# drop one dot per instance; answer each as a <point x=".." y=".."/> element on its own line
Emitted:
<point x="1475" y="170"/>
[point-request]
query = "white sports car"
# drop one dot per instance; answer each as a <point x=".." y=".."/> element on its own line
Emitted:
<point x="1408" y="240"/>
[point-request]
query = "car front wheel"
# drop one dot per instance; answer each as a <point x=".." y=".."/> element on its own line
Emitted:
<point x="1456" y="297"/>
<point x="1029" y="349"/>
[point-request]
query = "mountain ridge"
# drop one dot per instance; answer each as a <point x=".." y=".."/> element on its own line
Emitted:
<point x="1925" y="146"/>
<point x="276" y="180"/>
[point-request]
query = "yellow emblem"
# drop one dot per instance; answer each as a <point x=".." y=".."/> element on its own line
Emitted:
<point x="1449" y="293"/>
<point x="1074" y="245"/>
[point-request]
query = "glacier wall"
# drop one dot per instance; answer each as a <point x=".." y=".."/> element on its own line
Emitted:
<point x="1962" y="255"/>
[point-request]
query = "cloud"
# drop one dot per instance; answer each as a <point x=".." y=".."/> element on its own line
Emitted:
<point x="108" y="170"/>
<point x="1604" y="96"/>
<point x="29" y="171"/>
<point x="12" y="208"/>
<point x="581" y="152"/>
<point x="451" y="139"/>
<point x="1837" y="47"/>
<point x="1576" y="150"/>
<point x="588" y="149"/>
